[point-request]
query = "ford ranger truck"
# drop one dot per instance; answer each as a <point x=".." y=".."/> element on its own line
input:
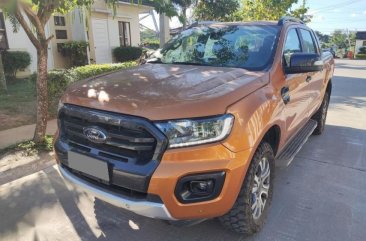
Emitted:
<point x="197" y="131"/>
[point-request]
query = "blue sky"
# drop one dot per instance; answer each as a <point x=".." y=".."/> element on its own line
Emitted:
<point x="337" y="14"/>
<point x="327" y="15"/>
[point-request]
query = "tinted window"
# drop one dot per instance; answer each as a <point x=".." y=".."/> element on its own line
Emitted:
<point x="248" y="47"/>
<point x="309" y="46"/>
<point x="59" y="21"/>
<point x="292" y="45"/>
<point x="61" y="34"/>
<point x="124" y="33"/>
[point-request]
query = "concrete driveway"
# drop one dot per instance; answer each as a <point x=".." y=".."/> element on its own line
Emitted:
<point x="321" y="196"/>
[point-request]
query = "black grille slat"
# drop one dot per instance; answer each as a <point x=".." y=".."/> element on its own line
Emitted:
<point x="73" y="125"/>
<point x="131" y="139"/>
<point x="118" y="144"/>
<point x="124" y="137"/>
<point x="133" y="148"/>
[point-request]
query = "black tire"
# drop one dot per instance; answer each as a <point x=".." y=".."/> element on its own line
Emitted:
<point x="321" y="115"/>
<point x="240" y="218"/>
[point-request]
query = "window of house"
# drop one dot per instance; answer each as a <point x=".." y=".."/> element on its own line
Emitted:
<point x="292" y="45"/>
<point x="309" y="45"/>
<point x="3" y="37"/>
<point x="61" y="34"/>
<point x="124" y="33"/>
<point x="364" y="43"/>
<point x="59" y="21"/>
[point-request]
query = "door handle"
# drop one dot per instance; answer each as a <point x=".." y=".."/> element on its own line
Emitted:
<point x="285" y="94"/>
<point x="308" y="78"/>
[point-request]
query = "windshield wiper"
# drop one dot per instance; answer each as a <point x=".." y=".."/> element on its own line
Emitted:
<point x="186" y="63"/>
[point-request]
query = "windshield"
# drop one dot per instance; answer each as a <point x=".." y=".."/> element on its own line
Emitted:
<point x="245" y="46"/>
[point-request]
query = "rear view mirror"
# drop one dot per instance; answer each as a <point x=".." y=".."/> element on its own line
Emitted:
<point x="304" y="63"/>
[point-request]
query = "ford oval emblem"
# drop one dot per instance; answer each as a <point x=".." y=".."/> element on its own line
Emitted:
<point x="95" y="135"/>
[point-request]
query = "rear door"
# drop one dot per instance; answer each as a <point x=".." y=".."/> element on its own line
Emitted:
<point x="294" y="91"/>
<point x="314" y="79"/>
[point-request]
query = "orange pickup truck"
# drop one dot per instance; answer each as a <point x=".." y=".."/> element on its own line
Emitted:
<point x="197" y="131"/>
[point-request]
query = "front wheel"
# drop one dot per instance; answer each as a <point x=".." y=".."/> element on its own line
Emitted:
<point x="321" y="115"/>
<point x="249" y="212"/>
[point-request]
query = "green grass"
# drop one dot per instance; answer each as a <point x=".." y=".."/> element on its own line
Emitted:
<point x="29" y="148"/>
<point x="18" y="105"/>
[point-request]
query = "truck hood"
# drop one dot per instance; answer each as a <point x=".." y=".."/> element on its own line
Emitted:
<point x="165" y="91"/>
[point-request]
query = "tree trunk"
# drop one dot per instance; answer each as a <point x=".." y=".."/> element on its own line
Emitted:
<point x="184" y="13"/>
<point x="3" y="85"/>
<point x="42" y="95"/>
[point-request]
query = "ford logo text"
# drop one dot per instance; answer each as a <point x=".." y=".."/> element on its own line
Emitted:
<point x="95" y="135"/>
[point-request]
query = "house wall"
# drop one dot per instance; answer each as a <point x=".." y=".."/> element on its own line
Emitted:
<point x="59" y="61"/>
<point x="19" y="41"/>
<point x="359" y="44"/>
<point x="124" y="12"/>
<point x="79" y="27"/>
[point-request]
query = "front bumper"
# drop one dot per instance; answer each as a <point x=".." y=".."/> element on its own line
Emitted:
<point x="144" y="208"/>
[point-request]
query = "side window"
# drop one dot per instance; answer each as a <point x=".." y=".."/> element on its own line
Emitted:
<point x="308" y="42"/>
<point x="317" y="41"/>
<point x="292" y="45"/>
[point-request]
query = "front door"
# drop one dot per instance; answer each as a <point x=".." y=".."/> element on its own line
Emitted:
<point x="103" y="52"/>
<point x="294" y="90"/>
<point x="315" y="79"/>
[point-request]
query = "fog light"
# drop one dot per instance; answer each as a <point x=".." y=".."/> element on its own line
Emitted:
<point x="199" y="187"/>
<point x="204" y="187"/>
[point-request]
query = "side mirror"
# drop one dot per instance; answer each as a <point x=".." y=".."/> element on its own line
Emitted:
<point x="304" y="63"/>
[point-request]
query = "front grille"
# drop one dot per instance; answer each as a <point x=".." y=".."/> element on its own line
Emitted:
<point x="133" y="146"/>
<point x="127" y="140"/>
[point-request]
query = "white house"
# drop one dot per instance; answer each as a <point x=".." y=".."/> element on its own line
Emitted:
<point x="360" y="40"/>
<point x="101" y="28"/>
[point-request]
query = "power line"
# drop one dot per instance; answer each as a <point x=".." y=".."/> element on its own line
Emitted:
<point x="337" y="5"/>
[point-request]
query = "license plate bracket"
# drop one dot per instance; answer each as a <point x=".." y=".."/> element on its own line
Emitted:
<point x="88" y="165"/>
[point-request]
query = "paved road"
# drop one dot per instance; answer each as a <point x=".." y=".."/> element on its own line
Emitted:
<point x="321" y="196"/>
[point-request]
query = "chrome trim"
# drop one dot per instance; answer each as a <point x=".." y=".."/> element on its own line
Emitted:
<point x="143" y="208"/>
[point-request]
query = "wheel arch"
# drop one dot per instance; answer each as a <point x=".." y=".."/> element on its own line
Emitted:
<point x="329" y="87"/>
<point x="273" y="137"/>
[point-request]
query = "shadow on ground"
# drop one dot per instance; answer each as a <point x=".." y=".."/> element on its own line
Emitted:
<point x="319" y="197"/>
<point x="312" y="201"/>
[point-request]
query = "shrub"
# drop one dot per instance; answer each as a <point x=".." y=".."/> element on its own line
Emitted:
<point x="96" y="69"/>
<point x="59" y="80"/>
<point x="362" y="50"/>
<point x="124" y="54"/>
<point x="76" y="51"/>
<point x="151" y="44"/>
<point x="360" y="56"/>
<point x="15" y="61"/>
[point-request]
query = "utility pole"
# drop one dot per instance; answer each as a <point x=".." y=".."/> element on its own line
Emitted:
<point x="164" y="29"/>
<point x="349" y="41"/>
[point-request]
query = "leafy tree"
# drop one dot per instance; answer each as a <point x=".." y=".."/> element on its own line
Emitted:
<point x="301" y="13"/>
<point x="215" y="10"/>
<point x="340" y="39"/>
<point x="38" y="12"/>
<point x="253" y="10"/>
<point x="164" y="6"/>
<point x="324" y="39"/>
<point x="183" y="5"/>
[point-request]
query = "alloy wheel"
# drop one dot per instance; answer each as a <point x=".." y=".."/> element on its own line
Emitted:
<point x="260" y="188"/>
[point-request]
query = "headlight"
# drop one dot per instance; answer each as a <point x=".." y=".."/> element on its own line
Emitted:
<point x="191" y="132"/>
